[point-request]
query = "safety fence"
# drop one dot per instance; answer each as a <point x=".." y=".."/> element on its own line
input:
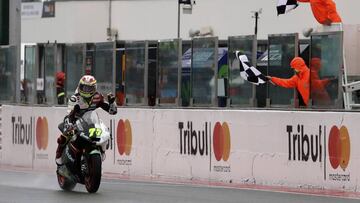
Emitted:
<point x="203" y="72"/>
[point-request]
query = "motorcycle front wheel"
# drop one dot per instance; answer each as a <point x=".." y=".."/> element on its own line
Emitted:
<point x="65" y="183"/>
<point x="93" y="177"/>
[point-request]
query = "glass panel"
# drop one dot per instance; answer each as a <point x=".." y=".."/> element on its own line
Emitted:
<point x="325" y="65"/>
<point x="240" y="91"/>
<point x="135" y="71"/>
<point x="29" y="82"/>
<point x="168" y="70"/>
<point x="282" y="50"/>
<point x="50" y="88"/>
<point x="120" y="68"/>
<point x="204" y="64"/>
<point x="89" y="58"/>
<point x="7" y="74"/>
<point x="103" y="69"/>
<point x="222" y="76"/>
<point x="186" y="73"/>
<point x="74" y="67"/>
<point x="152" y="73"/>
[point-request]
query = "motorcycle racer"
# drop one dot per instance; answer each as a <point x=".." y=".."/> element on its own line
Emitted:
<point x="86" y="98"/>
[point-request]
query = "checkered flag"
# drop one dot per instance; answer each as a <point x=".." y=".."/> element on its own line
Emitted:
<point x="248" y="72"/>
<point x="285" y="6"/>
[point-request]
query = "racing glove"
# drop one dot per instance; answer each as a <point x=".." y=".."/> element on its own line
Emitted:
<point x="111" y="98"/>
<point x="112" y="104"/>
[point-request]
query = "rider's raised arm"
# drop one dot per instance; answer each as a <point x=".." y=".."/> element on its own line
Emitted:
<point x="111" y="108"/>
<point x="73" y="107"/>
<point x="106" y="106"/>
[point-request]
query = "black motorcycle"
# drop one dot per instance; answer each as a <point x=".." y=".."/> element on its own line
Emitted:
<point x="84" y="153"/>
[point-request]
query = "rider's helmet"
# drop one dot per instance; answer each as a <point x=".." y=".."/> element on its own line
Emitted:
<point x="87" y="86"/>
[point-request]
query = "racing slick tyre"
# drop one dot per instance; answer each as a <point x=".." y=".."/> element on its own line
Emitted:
<point x="93" y="178"/>
<point x="65" y="183"/>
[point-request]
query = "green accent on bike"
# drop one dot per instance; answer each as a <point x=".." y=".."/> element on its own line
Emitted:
<point x="95" y="132"/>
<point x="95" y="151"/>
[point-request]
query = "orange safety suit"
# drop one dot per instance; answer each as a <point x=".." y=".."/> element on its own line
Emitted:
<point x="300" y="81"/>
<point x="318" y="85"/>
<point x="324" y="11"/>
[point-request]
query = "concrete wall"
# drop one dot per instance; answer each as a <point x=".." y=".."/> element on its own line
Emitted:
<point x="264" y="147"/>
<point x="86" y="21"/>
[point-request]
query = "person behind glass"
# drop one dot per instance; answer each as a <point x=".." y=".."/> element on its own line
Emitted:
<point x="86" y="98"/>
<point x="25" y="90"/>
<point x="60" y="90"/>
<point x="300" y="81"/>
<point x="319" y="93"/>
<point x="324" y="11"/>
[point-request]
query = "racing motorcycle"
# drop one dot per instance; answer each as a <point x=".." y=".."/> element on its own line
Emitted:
<point x="84" y="153"/>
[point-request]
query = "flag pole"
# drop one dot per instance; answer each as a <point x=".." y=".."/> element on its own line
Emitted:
<point x="256" y="16"/>
<point x="256" y="22"/>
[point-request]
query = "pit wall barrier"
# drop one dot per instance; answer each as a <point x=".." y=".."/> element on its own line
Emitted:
<point x="263" y="147"/>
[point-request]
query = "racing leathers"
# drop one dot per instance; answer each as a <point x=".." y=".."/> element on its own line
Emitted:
<point x="77" y="107"/>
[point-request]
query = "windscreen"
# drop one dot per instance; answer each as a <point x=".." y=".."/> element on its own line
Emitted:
<point x="90" y="117"/>
<point x="87" y="121"/>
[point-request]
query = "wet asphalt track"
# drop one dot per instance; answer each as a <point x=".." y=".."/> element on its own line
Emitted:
<point x="18" y="187"/>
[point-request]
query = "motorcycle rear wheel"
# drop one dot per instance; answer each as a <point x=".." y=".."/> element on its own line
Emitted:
<point x="93" y="178"/>
<point x="65" y="183"/>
